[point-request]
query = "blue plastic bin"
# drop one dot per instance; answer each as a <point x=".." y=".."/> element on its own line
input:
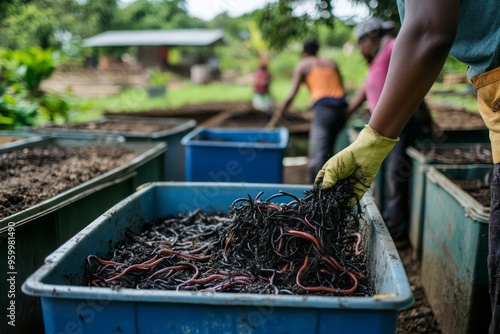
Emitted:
<point x="455" y="249"/>
<point x="68" y="304"/>
<point x="235" y="155"/>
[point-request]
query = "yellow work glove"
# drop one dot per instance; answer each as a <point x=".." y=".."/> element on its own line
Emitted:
<point x="361" y="161"/>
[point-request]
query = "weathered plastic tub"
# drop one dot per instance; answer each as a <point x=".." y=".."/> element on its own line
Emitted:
<point x="175" y="129"/>
<point x="69" y="304"/>
<point x="15" y="137"/>
<point x="455" y="249"/>
<point x="235" y="155"/>
<point x="40" y="229"/>
<point x="420" y="165"/>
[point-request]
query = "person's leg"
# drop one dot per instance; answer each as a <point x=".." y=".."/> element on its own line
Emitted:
<point x="326" y="125"/>
<point x="397" y="172"/>
<point x="487" y="88"/>
<point x="494" y="251"/>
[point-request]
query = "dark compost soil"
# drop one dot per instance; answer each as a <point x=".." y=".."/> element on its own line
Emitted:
<point x="474" y="154"/>
<point x="113" y="126"/>
<point x="477" y="188"/>
<point x="31" y="175"/>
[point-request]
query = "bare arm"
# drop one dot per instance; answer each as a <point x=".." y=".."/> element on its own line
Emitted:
<point x="298" y="78"/>
<point x="418" y="56"/>
<point x="357" y="100"/>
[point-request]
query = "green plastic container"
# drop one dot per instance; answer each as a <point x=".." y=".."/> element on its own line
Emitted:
<point x="455" y="248"/>
<point x="174" y="130"/>
<point x="40" y="229"/>
<point x="448" y="137"/>
<point x="14" y="137"/>
<point x="420" y="165"/>
<point x="67" y="302"/>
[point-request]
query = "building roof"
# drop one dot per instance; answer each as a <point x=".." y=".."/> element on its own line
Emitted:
<point x="176" y="37"/>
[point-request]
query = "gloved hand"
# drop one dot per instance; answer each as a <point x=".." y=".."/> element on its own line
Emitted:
<point x="361" y="161"/>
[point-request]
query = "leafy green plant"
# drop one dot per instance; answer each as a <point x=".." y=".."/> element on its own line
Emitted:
<point x="22" y="102"/>
<point x="34" y="66"/>
<point x="157" y="77"/>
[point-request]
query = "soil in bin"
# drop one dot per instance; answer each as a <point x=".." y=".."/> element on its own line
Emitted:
<point x="136" y="127"/>
<point x="477" y="188"/>
<point x="475" y="154"/>
<point x="31" y="175"/>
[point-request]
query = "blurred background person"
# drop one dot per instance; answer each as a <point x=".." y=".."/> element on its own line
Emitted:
<point x="324" y="81"/>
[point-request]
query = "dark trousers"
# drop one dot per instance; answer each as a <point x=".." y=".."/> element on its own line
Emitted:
<point x="397" y="169"/>
<point x="329" y="117"/>
<point x="494" y="251"/>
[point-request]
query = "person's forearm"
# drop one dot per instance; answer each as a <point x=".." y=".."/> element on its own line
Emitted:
<point x="358" y="98"/>
<point x="417" y="58"/>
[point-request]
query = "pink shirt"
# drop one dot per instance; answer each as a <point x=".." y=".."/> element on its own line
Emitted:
<point x="377" y="74"/>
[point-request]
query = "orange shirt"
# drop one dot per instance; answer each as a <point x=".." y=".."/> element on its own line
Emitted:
<point x="323" y="82"/>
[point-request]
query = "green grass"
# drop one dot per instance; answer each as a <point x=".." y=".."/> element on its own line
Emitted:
<point x="130" y="100"/>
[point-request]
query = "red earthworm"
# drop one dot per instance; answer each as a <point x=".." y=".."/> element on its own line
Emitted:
<point x="324" y="288"/>
<point x="234" y="275"/>
<point x="324" y="271"/>
<point x="285" y="267"/>
<point x="223" y="286"/>
<point x="274" y="206"/>
<point x="357" y="251"/>
<point x="333" y="262"/>
<point x="95" y="283"/>
<point x="228" y="241"/>
<point x="101" y="261"/>
<point x="193" y="281"/>
<point x="174" y="268"/>
<point x="141" y="266"/>
<point x="308" y="236"/>
<point x="309" y="223"/>
<point x="151" y="260"/>
<point x="187" y="256"/>
<point x="198" y="250"/>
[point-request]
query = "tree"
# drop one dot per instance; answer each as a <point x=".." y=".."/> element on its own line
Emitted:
<point x="155" y="14"/>
<point x="284" y="21"/>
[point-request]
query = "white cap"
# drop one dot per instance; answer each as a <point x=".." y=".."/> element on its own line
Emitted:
<point x="372" y="24"/>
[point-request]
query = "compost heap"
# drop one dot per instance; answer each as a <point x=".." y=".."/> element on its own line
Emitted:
<point x="307" y="246"/>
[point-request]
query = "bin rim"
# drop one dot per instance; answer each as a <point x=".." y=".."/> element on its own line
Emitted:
<point x="415" y="152"/>
<point x="25" y="140"/>
<point x="179" y="125"/>
<point x="150" y="151"/>
<point x="188" y="139"/>
<point x="400" y="299"/>
<point x="477" y="211"/>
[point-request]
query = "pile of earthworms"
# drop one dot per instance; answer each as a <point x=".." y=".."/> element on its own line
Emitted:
<point x="309" y="245"/>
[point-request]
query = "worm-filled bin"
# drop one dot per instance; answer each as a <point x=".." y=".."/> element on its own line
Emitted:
<point x="270" y="268"/>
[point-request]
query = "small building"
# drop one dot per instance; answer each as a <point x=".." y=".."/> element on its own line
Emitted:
<point x="153" y="45"/>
